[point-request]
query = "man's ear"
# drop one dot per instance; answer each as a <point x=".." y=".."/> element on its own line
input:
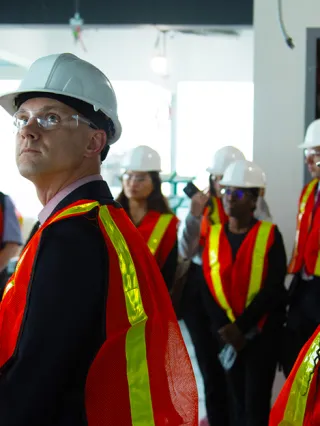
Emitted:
<point x="96" y="143"/>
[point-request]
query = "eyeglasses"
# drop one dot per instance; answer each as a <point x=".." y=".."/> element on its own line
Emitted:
<point x="311" y="153"/>
<point x="136" y="178"/>
<point x="236" y="193"/>
<point x="48" y="120"/>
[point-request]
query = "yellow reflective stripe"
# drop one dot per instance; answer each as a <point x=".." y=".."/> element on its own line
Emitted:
<point x="303" y="204"/>
<point x="317" y="267"/>
<point x="136" y="351"/>
<point x="8" y="287"/>
<point x="302" y="209"/>
<point x="214" y="238"/>
<point x="259" y="253"/>
<point x="79" y="209"/>
<point x="10" y="284"/>
<point x="159" y="231"/>
<point x="298" y="396"/>
<point x="215" y="217"/>
<point x="306" y="195"/>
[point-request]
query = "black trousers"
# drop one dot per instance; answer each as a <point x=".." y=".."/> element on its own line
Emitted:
<point x="303" y="319"/>
<point x="251" y="378"/>
<point x="206" y="348"/>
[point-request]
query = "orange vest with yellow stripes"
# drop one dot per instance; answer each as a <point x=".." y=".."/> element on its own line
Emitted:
<point x="234" y="284"/>
<point x="298" y="403"/>
<point x="142" y="374"/>
<point x="306" y="252"/>
<point x="159" y="231"/>
<point x="212" y="216"/>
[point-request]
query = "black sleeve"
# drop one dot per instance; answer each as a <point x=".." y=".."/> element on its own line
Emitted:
<point x="169" y="268"/>
<point x="63" y="327"/>
<point x="273" y="293"/>
<point x="217" y="315"/>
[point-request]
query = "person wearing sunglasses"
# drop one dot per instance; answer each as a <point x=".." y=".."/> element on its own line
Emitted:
<point x="142" y="199"/>
<point x="304" y="292"/>
<point x="87" y="329"/>
<point x="244" y="264"/>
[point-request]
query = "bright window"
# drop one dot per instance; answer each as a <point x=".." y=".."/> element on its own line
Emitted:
<point x="144" y="112"/>
<point x="211" y="115"/>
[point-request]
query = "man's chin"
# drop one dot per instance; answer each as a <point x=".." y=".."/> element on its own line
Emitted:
<point x="28" y="172"/>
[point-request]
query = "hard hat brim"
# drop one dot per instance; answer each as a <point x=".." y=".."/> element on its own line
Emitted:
<point x="307" y="145"/>
<point x="214" y="171"/>
<point x="7" y="102"/>
<point x="244" y="185"/>
<point x="141" y="169"/>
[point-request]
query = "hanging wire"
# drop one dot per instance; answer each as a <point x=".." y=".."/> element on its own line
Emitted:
<point x="286" y="36"/>
<point x="164" y="41"/>
<point x="160" y="45"/>
<point x="156" y="44"/>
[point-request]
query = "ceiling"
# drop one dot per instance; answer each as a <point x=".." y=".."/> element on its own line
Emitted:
<point x="128" y="12"/>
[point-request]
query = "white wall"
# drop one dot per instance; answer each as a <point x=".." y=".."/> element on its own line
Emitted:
<point x="125" y="54"/>
<point x="279" y="81"/>
<point x="279" y="78"/>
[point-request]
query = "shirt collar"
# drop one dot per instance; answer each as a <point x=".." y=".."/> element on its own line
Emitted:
<point x="52" y="204"/>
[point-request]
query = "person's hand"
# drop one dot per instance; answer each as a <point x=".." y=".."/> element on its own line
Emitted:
<point x="232" y="334"/>
<point x="198" y="203"/>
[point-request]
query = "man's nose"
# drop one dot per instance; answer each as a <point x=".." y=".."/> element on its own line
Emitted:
<point x="30" y="129"/>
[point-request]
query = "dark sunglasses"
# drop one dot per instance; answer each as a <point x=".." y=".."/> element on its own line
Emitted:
<point x="235" y="193"/>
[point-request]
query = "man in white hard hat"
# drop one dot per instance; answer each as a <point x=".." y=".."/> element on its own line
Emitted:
<point x="303" y="316"/>
<point x="87" y="330"/>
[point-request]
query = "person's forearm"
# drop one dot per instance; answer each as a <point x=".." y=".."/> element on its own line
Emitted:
<point x="189" y="241"/>
<point x="9" y="251"/>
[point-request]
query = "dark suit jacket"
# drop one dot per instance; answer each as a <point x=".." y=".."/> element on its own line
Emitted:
<point x="64" y="325"/>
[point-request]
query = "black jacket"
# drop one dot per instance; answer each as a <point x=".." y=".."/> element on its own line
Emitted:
<point x="64" y="326"/>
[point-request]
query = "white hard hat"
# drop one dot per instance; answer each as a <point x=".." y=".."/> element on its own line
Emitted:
<point x="312" y="137"/>
<point x="68" y="75"/>
<point x="142" y="159"/>
<point x="244" y="174"/>
<point x="222" y="158"/>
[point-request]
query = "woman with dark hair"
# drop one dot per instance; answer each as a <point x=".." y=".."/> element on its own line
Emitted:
<point x="142" y="199"/>
<point x="244" y="264"/>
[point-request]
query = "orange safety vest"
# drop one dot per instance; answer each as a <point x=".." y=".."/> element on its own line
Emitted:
<point x="234" y="284"/>
<point x="212" y="216"/>
<point x="306" y="252"/>
<point x="160" y="233"/>
<point x="298" y="403"/>
<point x="142" y="374"/>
